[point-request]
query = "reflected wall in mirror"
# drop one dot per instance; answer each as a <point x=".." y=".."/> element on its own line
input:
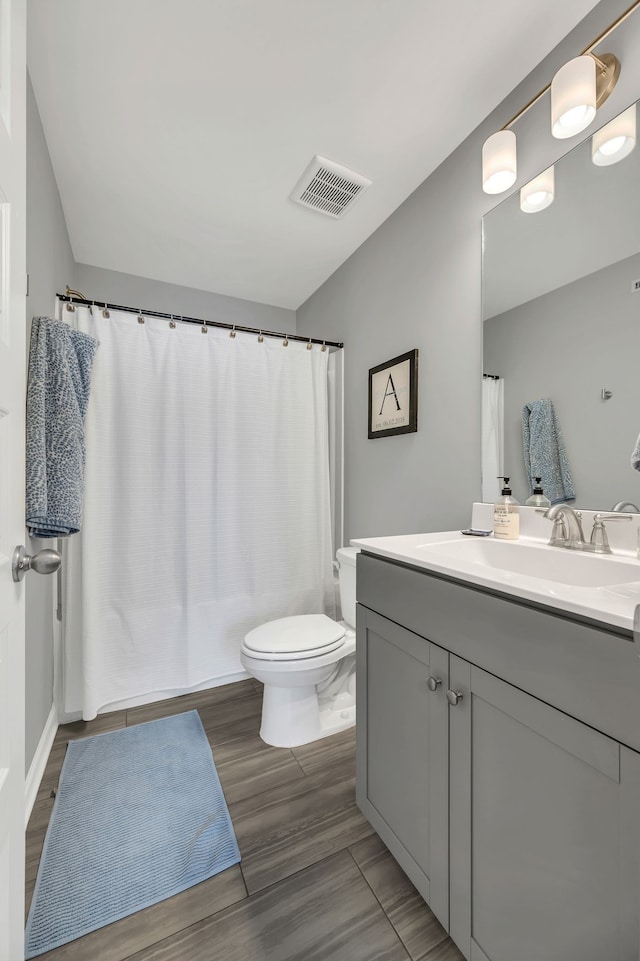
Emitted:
<point x="561" y="319"/>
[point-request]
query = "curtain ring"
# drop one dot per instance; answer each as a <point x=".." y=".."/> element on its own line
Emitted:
<point x="71" y="308"/>
<point x="324" y="347"/>
<point x="285" y="342"/>
<point x="204" y="328"/>
<point x="309" y="345"/>
<point x="172" y="323"/>
<point x="232" y="332"/>
<point x="260" y="337"/>
<point x="140" y="317"/>
<point x="105" y="311"/>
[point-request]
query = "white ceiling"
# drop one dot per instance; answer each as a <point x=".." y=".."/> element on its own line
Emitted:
<point x="177" y="130"/>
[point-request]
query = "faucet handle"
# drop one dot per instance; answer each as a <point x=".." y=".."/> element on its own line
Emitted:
<point x="599" y="538"/>
<point x="598" y="518"/>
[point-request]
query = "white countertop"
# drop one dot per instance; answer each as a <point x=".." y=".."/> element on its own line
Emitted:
<point x="613" y="604"/>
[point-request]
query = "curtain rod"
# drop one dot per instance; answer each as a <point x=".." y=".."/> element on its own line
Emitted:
<point x="67" y="298"/>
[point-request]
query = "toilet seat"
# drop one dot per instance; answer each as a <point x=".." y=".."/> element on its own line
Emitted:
<point x="295" y="638"/>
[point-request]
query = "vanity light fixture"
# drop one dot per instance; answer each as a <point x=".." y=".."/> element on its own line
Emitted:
<point x="573" y="97"/>
<point x="499" y="165"/>
<point x="577" y="90"/>
<point x="538" y="193"/>
<point x="615" y="140"/>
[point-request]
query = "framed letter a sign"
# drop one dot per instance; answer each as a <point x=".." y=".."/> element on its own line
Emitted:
<point x="393" y="396"/>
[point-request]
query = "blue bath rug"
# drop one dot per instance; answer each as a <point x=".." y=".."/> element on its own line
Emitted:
<point x="139" y="816"/>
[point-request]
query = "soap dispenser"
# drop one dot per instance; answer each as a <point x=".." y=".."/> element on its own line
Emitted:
<point x="538" y="499"/>
<point x="506" y="518"/>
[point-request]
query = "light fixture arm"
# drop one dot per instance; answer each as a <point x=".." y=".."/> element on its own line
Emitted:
<point x="606" y="76"/>
<point x="600" y="63"/>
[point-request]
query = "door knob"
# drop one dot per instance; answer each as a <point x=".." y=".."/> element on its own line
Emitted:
<point x="454" y="697"/>
<point x="46" y="561"/>
<point x="433" y="683"/>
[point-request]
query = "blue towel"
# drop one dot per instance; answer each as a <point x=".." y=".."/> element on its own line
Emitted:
<point x="544" y="452"/>
<point x="635" y="457"/>
<point x="60" y="360"/>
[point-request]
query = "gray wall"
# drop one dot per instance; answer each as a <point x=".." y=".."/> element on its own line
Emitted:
<point x="417" y="283"/>
<point x="131" y="291"/>
<point x="50" y="267"/>
<point x="567" y="345"/>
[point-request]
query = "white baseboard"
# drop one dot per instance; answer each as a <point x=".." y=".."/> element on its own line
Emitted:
<point x="39" y="762"/>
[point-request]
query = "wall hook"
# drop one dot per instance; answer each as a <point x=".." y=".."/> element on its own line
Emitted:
<point x="606" y="394"/>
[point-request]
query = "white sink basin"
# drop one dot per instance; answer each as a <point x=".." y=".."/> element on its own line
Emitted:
<point x="574" y="568"/>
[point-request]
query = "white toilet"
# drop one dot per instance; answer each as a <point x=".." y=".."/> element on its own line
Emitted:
<point x="307" y="664"/>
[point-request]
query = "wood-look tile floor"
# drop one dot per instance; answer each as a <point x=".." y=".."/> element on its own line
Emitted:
<point x="314" y="884"/>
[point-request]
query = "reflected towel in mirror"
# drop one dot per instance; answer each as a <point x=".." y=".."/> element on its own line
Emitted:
<point x="544" y="451"/>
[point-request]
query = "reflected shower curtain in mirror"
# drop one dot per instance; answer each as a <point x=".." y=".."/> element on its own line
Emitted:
<point x="206" y="508"/>
<point x="492" y="437"/>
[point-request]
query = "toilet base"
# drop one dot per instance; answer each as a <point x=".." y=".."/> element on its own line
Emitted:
<point x="292" y="716"/>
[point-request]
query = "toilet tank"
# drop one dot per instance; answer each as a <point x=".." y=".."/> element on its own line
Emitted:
<point x="346" y="557"/>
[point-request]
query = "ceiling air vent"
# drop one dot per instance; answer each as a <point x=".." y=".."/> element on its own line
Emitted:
<point x="329" y="187"/>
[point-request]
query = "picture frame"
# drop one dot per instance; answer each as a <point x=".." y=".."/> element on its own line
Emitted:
<point x="393" y="396"/>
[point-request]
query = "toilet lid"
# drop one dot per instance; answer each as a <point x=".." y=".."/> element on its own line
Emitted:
<point x="307" y="635"/>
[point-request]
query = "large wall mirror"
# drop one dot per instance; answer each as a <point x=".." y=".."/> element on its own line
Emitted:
<point x="561" y="319"/>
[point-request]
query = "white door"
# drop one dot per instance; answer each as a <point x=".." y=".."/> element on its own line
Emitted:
<point x="12" y="404"/>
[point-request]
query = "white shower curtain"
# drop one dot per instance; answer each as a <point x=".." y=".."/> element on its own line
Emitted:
<point x="492" y="437"/>
<point x="207" y="506"/>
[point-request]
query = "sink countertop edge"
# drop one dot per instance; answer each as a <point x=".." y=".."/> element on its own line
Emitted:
<point x="597" y="603"/>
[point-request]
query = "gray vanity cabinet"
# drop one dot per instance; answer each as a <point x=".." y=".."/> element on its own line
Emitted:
<point x="517" y="821"/>
<point x="402" y="754"/>
<point x="543" y="824"/>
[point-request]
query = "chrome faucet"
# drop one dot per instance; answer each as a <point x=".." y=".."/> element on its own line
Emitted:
<point x="567" y="528"/>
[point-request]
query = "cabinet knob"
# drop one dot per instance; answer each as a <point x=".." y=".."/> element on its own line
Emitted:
<point x="454" y="697"/>
<point x="433" y="683"/>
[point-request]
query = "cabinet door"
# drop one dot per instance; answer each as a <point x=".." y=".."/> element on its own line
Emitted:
<point x="402" y="756"/>
<point x="544" y="829"/>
